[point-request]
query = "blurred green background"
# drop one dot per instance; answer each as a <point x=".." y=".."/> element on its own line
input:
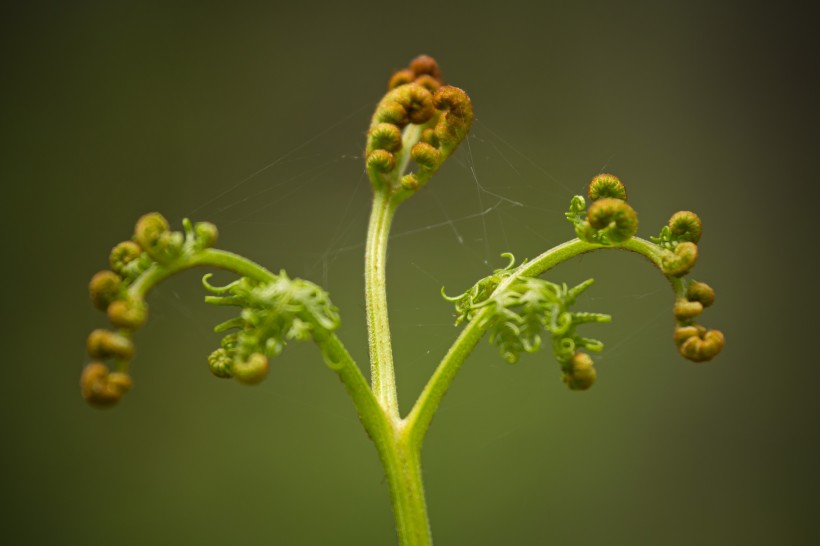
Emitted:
<point x="113" y="109"/>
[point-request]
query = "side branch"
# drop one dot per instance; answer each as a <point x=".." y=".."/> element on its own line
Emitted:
<point x="418" y="420"/>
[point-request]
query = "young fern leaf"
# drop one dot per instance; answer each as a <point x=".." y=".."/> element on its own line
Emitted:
<point x="273" y="313"/>
<point x="525" y="311"/>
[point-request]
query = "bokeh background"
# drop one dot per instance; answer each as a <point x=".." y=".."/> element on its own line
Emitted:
<point x="253" y="115"/>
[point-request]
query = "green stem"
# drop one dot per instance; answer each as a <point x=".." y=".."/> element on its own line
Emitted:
<point x="382" y="375"/>
<point x="204" y="258"/>
<point x="418" y="420"/>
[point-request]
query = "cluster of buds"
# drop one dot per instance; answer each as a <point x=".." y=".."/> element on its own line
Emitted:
<point x="695" y="342"/>
<point x="679" y="238"/>
<point x="439" y="116"/>
<point x="609" y="220"/>
<point x="153" y="244"/>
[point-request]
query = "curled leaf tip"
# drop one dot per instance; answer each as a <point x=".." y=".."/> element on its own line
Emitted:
<point x="102" y="388"/>
<point x="685" y="226"/>
<point x="104" y="288"/>
<point x="613" y="219"/>
<point x="606" y="185"/>
<point x="579" y="372"/>
<point x="103" y="344"/>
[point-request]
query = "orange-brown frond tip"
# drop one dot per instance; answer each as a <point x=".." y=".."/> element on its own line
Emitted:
<point x="453" y="126"/>
<point x="701" y="346"/>
<point x="685" y="225"/>
<point x="417" y="101"/>
<point x="426" y="65"/>
<point x="101" y="388"/>
<point x="381" y="161"/>
<point x="579" y="372"/>
<point x="104" y="288"/>
<point x="105" y="344"/>
<point x="606" y="185"/>
<point x="400" y="78"/>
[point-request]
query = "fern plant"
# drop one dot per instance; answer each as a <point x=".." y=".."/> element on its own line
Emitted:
<point x="416" y="126"/>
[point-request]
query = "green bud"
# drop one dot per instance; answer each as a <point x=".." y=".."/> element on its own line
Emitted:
<point x="220" y="362"/>
<point x="384" y="136"/>
<point x="104" y="288"/>
<point x="606" y="185"/>
<point x="679" y="262"/>
<point x="153" y="234"/>
<point x="685" y="226"/>
<point x="206" y="234"/>
<point x="426" y="155"/>
<point x="616" y="217"/>
<point x="123" y="254"/>
<point x="251" y="371"/>
<point x="381" y="161"/>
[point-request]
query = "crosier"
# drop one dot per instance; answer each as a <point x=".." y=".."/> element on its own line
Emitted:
<point x="422" y="120"/>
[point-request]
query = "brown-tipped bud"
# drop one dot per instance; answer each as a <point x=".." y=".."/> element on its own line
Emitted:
<point x="129" y="313"/>
<point x="220" y="363"/>
<point x="682" y="333"/>
<point x="580" y="373"/>
<point x="429" y="136"/>
<point x="685" y="226"/>
<point x="685" y="310"/>
<point x="703" y="348"/>
<point x="424" y="64"/>
<point x="392" y="112"/>
<point x="418" y="102"/>
<point x="384" y="136"/>
<point x="105" y="344"/>
<point x="149" y="229"/>
<point x="400" y="78"/>
<point x="614" y="215"/>
<point x="428" y="82"/>
<point x="101" y="389"/>
<point x="410" y="182"/>
<point x="700" y="292"/>
<point x="153" y="234"/>
<point x="206" y="234"/>
<point x="122" y="255"/>
<point x="426" y="156"/>
<point x="453" y="126"/>
<point x="606" y="185"/>
<point x="381" y="161"/>
<point x="104" y="288"/>
<point x="251" y="371"/>
<point x="681" y="261"/>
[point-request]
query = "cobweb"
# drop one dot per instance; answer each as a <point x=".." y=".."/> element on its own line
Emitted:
<point x="309" y="205"/>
